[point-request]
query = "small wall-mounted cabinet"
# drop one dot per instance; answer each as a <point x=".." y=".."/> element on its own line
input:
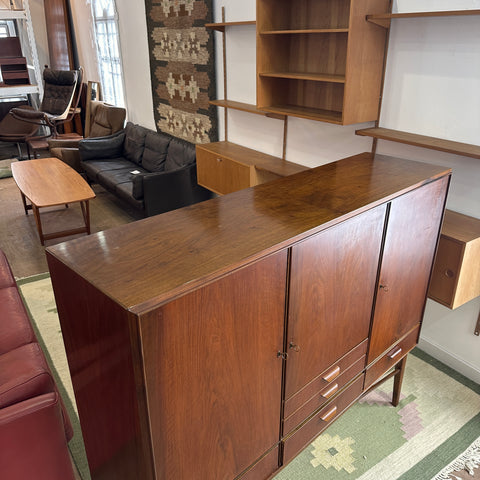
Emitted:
<point x="225" y="167"/>
<point x="320" y="59"/>
<point x="456" y="275"/>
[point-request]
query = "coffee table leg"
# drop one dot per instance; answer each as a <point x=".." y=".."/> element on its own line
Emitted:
<point x="36" y="212"/>
<point x="86" y="214"/>
<point x="24" y="200"/>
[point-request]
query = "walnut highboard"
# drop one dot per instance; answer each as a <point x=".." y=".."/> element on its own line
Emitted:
<point x="216" y="341"/>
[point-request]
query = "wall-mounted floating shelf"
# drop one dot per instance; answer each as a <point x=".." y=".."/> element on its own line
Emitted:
<point x="433" y="143"/>
<point x="383" y="19"/>
<point x="220" y="27"/>
<point x="245" y="107"/>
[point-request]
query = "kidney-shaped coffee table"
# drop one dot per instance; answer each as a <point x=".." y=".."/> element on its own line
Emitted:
<point x="48" y="182"/>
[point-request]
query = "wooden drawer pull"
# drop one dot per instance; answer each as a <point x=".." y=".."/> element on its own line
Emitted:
<point x="332" y="375"/>
<point x="330" y="391"/>
<point x="449" y="273"/>
<point x="394" y="353"/>
<point x="330" y="414"/>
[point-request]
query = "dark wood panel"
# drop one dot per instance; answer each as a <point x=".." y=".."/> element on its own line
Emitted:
<point x="59" y="34"/>
<point x="181" y="249"/>
<point x="213" y="376"/>
<point x="332" y="284"/>
<point x="97" y="336"/>
<point x="412" y="233"/>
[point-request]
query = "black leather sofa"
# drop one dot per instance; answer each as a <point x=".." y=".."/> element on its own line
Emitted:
<point x="152" y="171"/>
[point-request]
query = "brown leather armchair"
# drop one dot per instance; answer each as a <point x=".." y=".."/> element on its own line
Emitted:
<point x="17" y="131"/>
<point x="105" y="119"/>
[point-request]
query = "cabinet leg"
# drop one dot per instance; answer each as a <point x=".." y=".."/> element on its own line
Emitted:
<point x="397" y="381"/>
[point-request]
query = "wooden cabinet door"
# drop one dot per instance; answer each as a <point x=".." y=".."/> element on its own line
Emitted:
<point x="213" y="378"/>
<point x="410" y="242"/>
<point x="332" y="285"/>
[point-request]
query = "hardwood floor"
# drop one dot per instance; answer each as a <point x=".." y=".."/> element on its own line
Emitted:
<point x="18" y="232"/>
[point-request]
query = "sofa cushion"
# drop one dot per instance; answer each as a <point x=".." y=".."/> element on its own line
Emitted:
<point x="24" y="374"/>
<point x="102" y="147"/>
<point x="93" y="167"/>
<point x="155" y="153"/>
<point x="134" y="142"/>
<point x="110" y="178"/>
<point x="180" y="154"/>
<point x="124" y="191"/>
<point x="16" y="329"/>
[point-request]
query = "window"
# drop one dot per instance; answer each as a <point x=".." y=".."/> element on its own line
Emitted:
<point x="108" y="51"/>
<point x="7" y="28"/>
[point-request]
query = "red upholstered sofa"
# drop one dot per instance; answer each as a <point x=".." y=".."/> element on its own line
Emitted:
<point x="34" y="426"/>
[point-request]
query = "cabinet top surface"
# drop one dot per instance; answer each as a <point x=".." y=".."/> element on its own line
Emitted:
<point x="460" y="227"/>
<point x="145" y="263"/>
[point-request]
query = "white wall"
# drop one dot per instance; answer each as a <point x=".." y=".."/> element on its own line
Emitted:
<point x="136" y="63"/>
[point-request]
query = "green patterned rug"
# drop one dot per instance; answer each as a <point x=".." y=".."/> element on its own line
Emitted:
<point x="436" y="422"/>
<point x="5" y="170"/>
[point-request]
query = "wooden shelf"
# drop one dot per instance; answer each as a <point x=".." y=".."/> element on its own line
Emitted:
<point x="384" y="19"/>
<point x="15" y="90"/>
<point x="316" y="77"/>
<point x="220" y="27"/>
<point x="433" y="143"/>
<point x="320" y="58"/>
<point x="309" y="30"/>
<point x="309" y="113"/>
<point x="244" y="107"/>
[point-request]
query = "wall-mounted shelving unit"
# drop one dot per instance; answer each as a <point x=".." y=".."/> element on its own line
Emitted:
<point x="319" y="59"/>
<point x="23" y="22"/>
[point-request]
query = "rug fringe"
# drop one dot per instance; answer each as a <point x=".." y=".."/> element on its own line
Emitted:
<point x="469" y="460"/>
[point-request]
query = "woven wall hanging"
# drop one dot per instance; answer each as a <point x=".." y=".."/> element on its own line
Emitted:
<point x="182" y="66"/>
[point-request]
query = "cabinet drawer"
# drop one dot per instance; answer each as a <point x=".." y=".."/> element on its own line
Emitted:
<point x="299" y="439"/>
<point x="325" y="380"/>
<point x="221" y="174"/>
<point x="391" y="358"/>
<point x="446" y="271"/>
<point x="323" y="396"/>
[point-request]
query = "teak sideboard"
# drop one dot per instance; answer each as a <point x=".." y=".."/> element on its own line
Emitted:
<point x="218" y="340"/>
